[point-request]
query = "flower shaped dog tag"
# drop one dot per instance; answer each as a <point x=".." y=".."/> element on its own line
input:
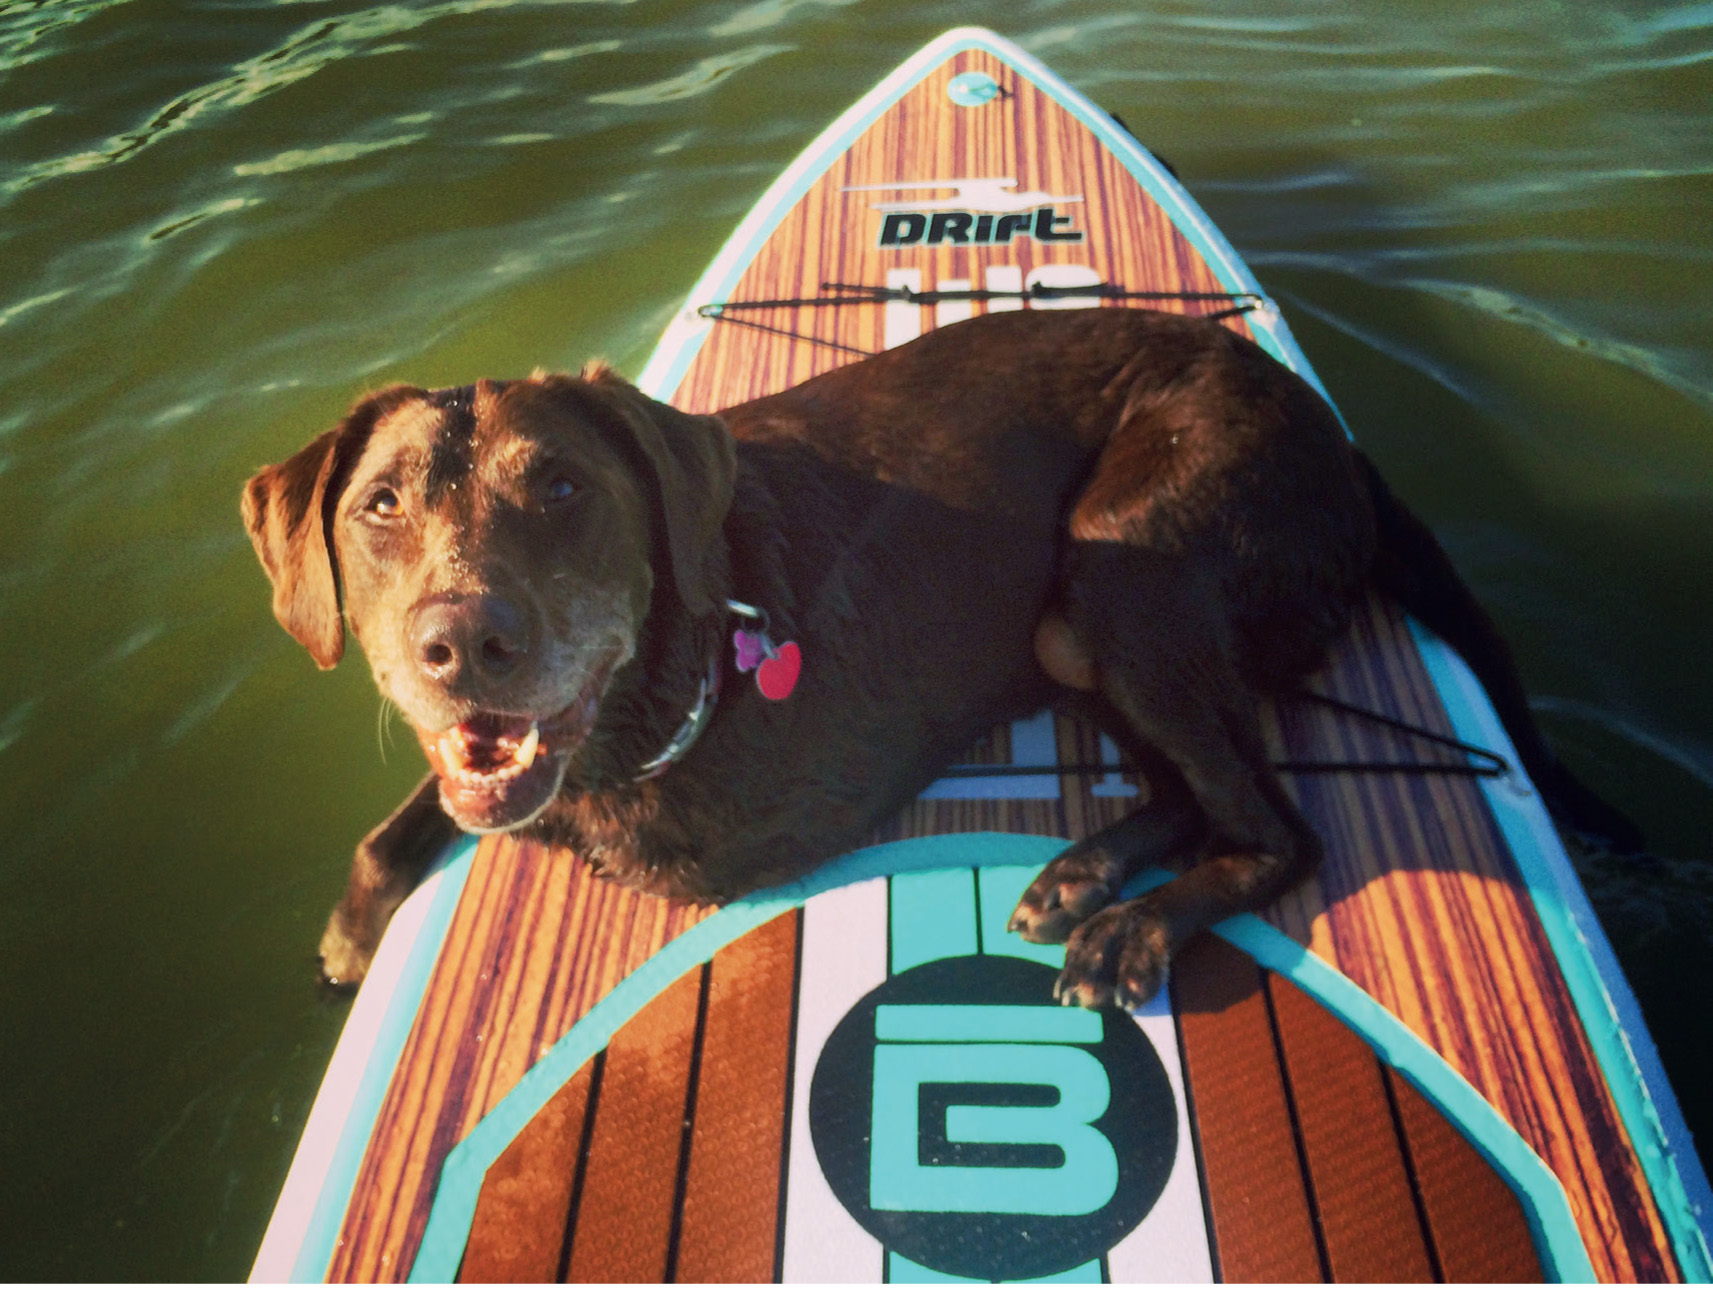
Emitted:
<point x="751" y="649"/>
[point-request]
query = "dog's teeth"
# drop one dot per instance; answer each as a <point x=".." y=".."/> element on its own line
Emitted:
<point x="525" y="754"/>
<point x="452" y="750"/>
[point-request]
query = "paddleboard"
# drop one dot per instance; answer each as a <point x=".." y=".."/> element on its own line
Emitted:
<point x="1422" y="1065"/>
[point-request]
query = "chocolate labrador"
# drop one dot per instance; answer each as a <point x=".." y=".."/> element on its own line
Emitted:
<point x="710" y="652"/>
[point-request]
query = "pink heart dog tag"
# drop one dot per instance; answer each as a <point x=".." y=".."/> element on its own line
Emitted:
<point x="777" y="676"/>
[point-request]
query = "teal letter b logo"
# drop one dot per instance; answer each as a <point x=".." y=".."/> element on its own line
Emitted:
<point x="1082" y="1182"/>
<point x="977" y="1131"/>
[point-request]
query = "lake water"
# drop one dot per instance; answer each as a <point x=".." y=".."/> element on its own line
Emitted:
<point x="1490" y="224"/>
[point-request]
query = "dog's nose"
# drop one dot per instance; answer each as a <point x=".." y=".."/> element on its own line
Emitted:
<point x="468" y="638"/>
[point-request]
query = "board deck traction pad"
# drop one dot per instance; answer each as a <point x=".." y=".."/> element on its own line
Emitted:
<point x="906" y="1038"/>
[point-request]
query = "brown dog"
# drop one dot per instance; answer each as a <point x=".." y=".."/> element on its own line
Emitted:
<point x="1139" y="509"/>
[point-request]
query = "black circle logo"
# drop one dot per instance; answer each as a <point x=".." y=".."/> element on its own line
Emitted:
<point x="979" y="1131"/>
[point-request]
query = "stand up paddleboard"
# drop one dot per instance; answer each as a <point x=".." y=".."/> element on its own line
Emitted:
<point x="1423" y="1064"/>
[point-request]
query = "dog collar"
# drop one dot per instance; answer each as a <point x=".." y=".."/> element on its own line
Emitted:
<point x="776" y="669"/>
<point x="695" y="721"/>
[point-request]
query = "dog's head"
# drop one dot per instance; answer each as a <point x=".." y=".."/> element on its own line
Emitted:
<point x="495" y="550"/>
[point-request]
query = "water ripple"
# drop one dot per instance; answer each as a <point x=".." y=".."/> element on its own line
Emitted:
<point x="189" y="220"/>
<point x="1440" y="371"/>
<point x="1511" y="308"/>
<point x="23" y="27"/>
<point x="701" y="78"/>
<point x="22" y="307"/>
<point x="1505" y="306"/>
<point x="565" y="54"/>
<point x="1696" y="17"/>
<point x="764" y="14"/>
<point x="300" y="55"/>
<point x="13" y="723"/>
<point x="1692" y="758"/>
<point x="327" y="155"/>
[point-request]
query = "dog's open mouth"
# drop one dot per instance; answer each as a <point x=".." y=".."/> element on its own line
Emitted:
<point x="498" y="771"/>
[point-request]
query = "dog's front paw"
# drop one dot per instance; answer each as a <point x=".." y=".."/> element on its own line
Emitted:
<point x="1064" y="894"/>
<point x="1117" y="956"/>
<point x="345" y="955"/>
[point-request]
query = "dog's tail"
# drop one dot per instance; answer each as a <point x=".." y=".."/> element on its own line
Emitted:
<point x="1414" y="570"/>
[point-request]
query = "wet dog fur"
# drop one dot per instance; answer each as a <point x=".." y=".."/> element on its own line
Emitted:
<point x="1137" y="512"/>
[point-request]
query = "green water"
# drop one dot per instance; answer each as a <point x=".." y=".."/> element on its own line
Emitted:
<point x="1490" y="224"/>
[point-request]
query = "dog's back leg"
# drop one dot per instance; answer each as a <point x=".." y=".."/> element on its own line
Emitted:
<point x="1156" y="636"/>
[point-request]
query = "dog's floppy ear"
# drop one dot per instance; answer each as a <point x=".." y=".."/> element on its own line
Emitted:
<point x="694" y="462"/>
<point x="287" y="510"/>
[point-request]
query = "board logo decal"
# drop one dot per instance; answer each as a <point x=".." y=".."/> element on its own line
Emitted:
<point x="977" y="1131"/>
<point x="980" y="212"/>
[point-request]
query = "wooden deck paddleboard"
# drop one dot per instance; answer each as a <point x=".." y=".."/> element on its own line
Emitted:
<point x="1421" y="1065"/>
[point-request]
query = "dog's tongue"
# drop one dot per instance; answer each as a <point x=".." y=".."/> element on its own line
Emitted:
<point x="489" y="744"/>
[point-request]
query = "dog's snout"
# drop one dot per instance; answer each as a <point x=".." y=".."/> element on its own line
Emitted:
<point x="465" y="639"/>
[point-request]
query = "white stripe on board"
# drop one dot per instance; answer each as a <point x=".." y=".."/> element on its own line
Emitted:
<point x="903" y="318"/>
<point x="1004" y="277"/>
<point x="844" y="957"/>
<point x="948" y="312"/>
<point x="1164" y="1247"/>
<point x="1063" y="275"/>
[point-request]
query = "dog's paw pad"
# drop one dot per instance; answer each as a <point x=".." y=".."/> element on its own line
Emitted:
<point x="1058" y="901"/>
<point x="1118" y="956"/>
<point x="1139" y="981"/>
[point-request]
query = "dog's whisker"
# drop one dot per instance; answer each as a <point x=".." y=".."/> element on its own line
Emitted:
<point x="384" y="725"/>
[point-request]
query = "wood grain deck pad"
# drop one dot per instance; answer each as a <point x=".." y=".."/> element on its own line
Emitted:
<point x="728" y="1229"/>
<point x="1419" y="901"/>
<point x="1476" y="1230"/>
<point x="1257" y="1191"/>
<point x="535" y="942"/>
<point x="1315" y="1158"/>
<point x="1320" y="1162"/>
<point x="698" y="1082"/>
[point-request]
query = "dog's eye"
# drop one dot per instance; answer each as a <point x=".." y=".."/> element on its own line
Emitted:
<point x="382" y="502"/>
<point x="559" y="488"/>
